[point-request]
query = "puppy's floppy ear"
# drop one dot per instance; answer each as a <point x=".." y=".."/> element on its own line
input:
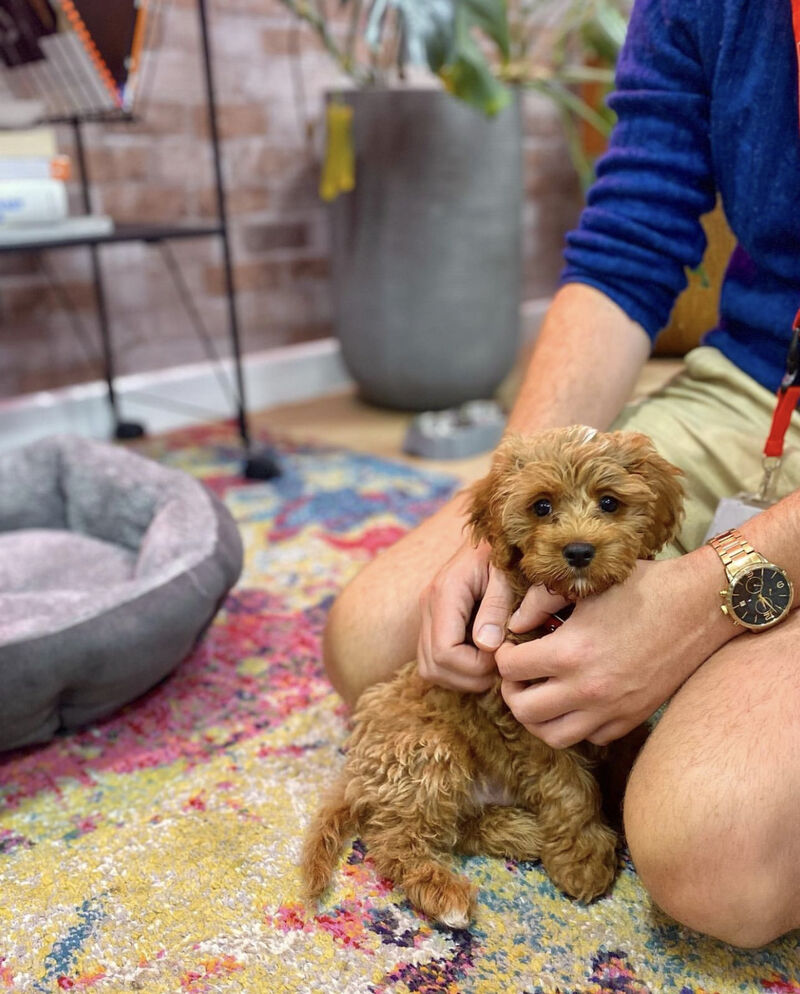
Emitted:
<point x="488" y="497"/>
<point x="640" y="457"/>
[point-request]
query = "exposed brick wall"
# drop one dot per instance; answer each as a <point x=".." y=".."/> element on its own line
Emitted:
<point x="160" y="169"/>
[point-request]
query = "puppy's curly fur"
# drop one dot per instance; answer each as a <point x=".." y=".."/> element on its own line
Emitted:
<point x="422" y="761"/>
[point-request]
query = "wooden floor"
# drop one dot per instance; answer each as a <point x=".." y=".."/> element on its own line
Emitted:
<point x="343" y="420"/>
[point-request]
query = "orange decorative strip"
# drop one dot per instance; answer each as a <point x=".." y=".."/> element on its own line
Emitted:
<point x="92" y="50"/>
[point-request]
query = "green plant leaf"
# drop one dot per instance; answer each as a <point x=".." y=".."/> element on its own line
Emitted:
<point x="373" y="32"/>
<point x="466" y="71"/>
<point x="613" y="22"/>
<point x="489" y="16"/>
<point x="603" y="34"/>
<point x="472" y="81"/>
<point x="439" y="49"/>
<point x="427" y="31"/>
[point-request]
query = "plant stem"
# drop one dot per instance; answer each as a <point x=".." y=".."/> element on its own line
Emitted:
<point x="565" y="98"/>
<point x="307" y="10"/>
<point x="352" y="32"/>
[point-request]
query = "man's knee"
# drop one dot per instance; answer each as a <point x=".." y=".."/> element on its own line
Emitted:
<point x="373" y="626"/>
<point x="370" y="633"/>
<point x="722" y="882"/>
<point x="338" y="646"/>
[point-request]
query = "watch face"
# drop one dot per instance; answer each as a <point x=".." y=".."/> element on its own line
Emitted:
<point x="761" y="596"/>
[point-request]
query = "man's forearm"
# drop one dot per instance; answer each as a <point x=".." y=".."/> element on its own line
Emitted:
<point x="695" y="598"/>
<point x="584" y="366"/>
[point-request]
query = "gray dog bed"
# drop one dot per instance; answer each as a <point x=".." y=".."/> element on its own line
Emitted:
<point x="111" y="567"/>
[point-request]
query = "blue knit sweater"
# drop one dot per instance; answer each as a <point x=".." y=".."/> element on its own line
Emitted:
<point x="706" y="100"/>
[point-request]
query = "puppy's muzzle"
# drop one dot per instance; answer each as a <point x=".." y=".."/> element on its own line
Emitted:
<point x="578" y="554"/>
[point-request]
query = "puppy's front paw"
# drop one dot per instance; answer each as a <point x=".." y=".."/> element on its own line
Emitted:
<point x="587" y="869"/>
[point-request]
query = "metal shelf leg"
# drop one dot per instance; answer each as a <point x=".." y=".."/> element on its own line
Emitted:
<point x="122" y="429"/>
<point x="259" y="464"/>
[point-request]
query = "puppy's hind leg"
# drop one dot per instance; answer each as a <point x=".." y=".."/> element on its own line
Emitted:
<point x="503" y="831"/>
<point x="402" y="854"/>
<point x="324" y="841"/>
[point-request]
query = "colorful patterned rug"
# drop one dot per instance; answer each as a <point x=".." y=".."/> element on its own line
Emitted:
<point x="157" y="851"/>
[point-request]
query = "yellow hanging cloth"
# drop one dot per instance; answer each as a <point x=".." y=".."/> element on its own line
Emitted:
<point x="338" y="169"/>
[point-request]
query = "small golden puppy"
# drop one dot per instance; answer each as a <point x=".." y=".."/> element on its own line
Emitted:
<point x="571" y="509"/>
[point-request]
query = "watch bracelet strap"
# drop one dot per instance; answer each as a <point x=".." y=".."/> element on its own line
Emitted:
<point x="734" y="551"/>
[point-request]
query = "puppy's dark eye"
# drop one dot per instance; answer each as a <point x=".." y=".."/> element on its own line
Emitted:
<point x="609" y="504"/>
<point x="542" y="507"/>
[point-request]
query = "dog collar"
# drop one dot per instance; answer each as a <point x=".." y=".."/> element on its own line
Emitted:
<point x="557" y="618"/>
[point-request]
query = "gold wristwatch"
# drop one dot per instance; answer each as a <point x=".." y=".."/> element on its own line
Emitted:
<point x="759" y="593"/>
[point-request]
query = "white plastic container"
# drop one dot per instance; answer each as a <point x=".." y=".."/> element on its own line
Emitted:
<point x="32" y="201"/>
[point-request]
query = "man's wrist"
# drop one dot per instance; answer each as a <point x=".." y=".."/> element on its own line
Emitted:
<point x="758" y="593"/>
<point x="710" y="579"/>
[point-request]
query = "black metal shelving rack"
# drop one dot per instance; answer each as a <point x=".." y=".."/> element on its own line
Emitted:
<point x="259" y="463"/>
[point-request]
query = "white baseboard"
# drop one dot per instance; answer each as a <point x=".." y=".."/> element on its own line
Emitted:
<point x="176" y="397"/>
<point x="186" y="395"/>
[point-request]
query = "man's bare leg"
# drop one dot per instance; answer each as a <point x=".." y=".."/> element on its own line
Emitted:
<point x="373" y="625"/>
<point x="713" y="803"/>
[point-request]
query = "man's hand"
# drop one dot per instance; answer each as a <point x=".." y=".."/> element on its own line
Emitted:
<point x="619" y="656"/>
<point x="445" y="656"/>
<point x="446" y="607"/>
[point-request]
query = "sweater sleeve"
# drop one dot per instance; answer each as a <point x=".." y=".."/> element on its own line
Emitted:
<point x="640" y="227"/>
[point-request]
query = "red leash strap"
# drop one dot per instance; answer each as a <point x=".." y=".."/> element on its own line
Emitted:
<point x="796" y="26"/>
<point x="789" y="390"/>
<point x="787" y="402"/>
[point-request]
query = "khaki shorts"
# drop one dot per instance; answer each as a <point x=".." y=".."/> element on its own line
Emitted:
<point x="712" y="420"/>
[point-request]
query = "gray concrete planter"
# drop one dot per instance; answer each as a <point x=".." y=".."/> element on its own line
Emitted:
<point x="426" y="251"/>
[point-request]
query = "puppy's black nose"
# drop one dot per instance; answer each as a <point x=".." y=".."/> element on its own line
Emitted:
<point x="578" y="554"/>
